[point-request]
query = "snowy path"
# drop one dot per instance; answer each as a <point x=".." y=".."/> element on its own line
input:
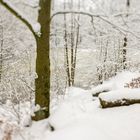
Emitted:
<point x="121" y="123"/>
<point x="80" y="117"/>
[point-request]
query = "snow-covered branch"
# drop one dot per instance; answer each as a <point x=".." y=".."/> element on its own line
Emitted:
<point x="102" y="17"/>
<point x="33" y="26"/>
<point x="76" y="12"/>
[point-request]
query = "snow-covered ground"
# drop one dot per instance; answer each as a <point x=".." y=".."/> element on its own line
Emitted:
<point x="97" y="124"/>
<point x="115" y="83"/>
<point x="77" y="116"/>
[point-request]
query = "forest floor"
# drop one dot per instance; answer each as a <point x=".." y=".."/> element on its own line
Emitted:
<point x="77" y="116"/>
<point x="87" y="121"/>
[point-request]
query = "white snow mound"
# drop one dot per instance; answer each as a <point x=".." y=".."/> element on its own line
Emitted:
<point x="117" y="82"/>
<point x="120" y="94"/>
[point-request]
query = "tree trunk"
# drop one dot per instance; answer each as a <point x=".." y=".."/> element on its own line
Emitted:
<point x="42" y="83"/>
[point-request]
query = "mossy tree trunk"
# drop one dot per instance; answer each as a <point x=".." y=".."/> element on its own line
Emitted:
<point x="42" y="83"/>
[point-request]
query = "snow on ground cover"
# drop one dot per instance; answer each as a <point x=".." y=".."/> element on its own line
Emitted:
<point x="21" y="113"/>
<point x="107" y="124"/>
<point x="13" y="118"/>
<point x="93" y="123"/>
<point x="121" y="94"/>
<point x="76" y="102"/>
<point x="116" y="82"/>
<point x="37" y="131"/>
<point x="80" y="117"/>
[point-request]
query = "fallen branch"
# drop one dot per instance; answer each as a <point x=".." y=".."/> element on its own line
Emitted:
<point x="122" y="102"/>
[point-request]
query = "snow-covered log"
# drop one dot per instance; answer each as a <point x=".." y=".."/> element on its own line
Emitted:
<point x="119" y="98"/>
<point x="101" y="88"/>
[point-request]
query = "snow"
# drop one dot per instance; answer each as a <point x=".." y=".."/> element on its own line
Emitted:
<point x="121" y="94"/>
<point x="101" y="88"/>
<point x="79" y="117"/>
<point x="76" y="101"/>
<point x="37" y="28"/>
<point x="35" y="25"/>
<point x="109" y="124"/>
<point x="32" y="3"/>
<point x="117" y="82"/>
<point x="73" y="122"/>
<point x="122" y="78"/>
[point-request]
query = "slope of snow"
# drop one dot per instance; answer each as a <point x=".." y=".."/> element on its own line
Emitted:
<point x="76" y="102"/>
<point x="79" y="117"/>
<point x="114" y="124"/>
<point x="86" y="120"/>
<point x="122" y="78"/>
<point x="109" y="124"/>
<point x="116" y="82"/>
<point x="94" y="123"/>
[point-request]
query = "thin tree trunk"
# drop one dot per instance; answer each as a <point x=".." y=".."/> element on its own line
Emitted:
<point x="124" y="53"/>
<point x="72" y="44"/>
<point x="128" y="3"/>
<point x="75" y="54"/>
<point x="66" y="49"/>
<point x="76" y="44"/>
<point x="1" y="51"/>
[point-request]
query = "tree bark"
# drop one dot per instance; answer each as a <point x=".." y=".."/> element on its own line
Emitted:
<point x="42" y="83"/>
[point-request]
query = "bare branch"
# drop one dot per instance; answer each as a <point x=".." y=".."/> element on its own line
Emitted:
<point x="75" y="12"/>
<point x="102" y="17"/>
<point x="19" y="15"/>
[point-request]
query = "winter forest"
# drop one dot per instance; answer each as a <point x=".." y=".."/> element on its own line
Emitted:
<point x="69" y="69"/>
